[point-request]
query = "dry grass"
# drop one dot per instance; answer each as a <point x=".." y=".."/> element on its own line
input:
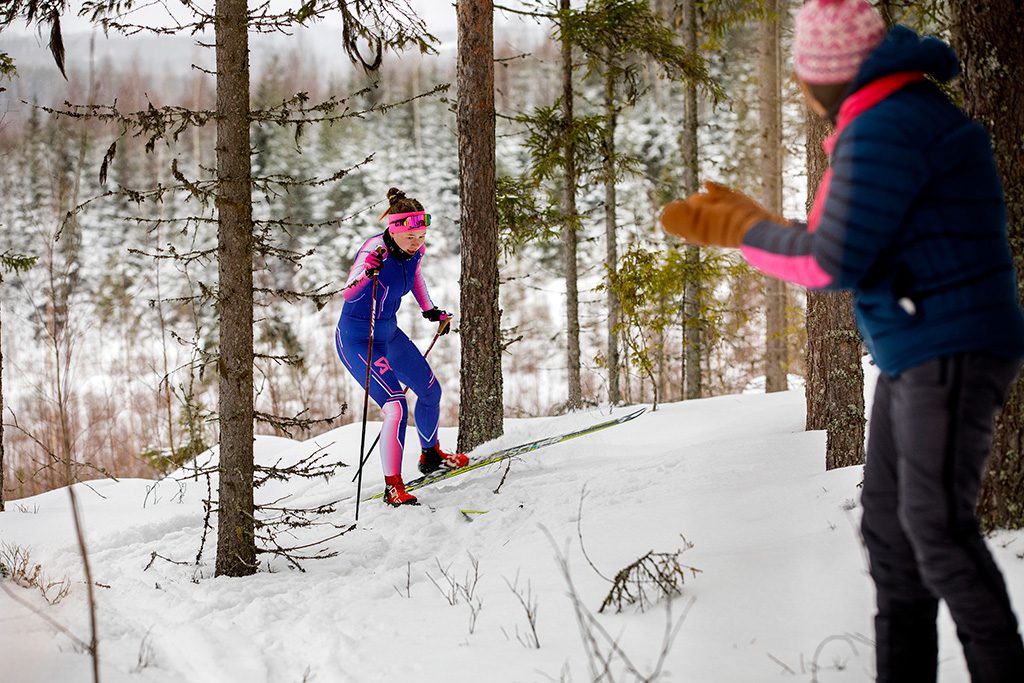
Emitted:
<point x="16" y="566"/>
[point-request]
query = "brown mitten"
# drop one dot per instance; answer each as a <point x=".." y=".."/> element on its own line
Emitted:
<point x="719" y="217"/>
<point x="724" y="193"/>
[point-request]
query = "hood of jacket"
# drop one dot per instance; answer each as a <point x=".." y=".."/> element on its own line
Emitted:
<point x="903" y="49"/>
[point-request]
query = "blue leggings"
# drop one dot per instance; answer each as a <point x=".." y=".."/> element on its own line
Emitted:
<point x="395" y="361"/>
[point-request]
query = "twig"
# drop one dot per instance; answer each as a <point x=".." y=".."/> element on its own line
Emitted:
<point x="508" y="466"/>
<point x="45" y="617"/>
<point x="452" y="592"/>
<point x="602" y="649"/>
<point x="154" y="556"/>
<point x="579" y="532"/>
<point x="408" y="581"/>
<point x="780" y="663"/>
<point x="94" y="641"/>
<point x="208" y="504"/>
<point x="846" y="637"/>
<point x="529" y="605"/>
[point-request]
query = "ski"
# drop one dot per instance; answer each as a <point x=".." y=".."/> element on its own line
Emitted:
<point x="506" y="453"/>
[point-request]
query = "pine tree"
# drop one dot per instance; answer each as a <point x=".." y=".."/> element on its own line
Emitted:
<point x="989" y="37"/>
<point x="481" y="411"/>
<point x="236" y="544"/>
<point x="835" y="377"/>
<point x="570" y="217"/>
<point x="770" y="108"/>
<point x="10" y="262"/>
<point x="621" y="40"/>
<point x="380" y="26"/>
<point x="688" y="143"/>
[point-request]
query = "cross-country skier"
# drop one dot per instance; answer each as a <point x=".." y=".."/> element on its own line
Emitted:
<point x="911" y="217"/>
<point x="395" y="256"/>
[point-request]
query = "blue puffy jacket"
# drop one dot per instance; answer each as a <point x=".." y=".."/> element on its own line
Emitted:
<point x="914" y="220"/>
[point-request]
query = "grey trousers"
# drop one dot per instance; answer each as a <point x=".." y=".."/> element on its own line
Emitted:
<point x="930" y="434"/>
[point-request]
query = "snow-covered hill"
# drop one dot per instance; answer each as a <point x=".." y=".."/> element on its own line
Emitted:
<point x="782" y="580"/>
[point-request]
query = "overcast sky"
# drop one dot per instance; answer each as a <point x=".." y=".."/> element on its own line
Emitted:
<point x="438" y="14"/>
<point x="513" y="34"/>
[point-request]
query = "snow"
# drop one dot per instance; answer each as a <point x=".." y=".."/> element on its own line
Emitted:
<point x="774" y="536"/>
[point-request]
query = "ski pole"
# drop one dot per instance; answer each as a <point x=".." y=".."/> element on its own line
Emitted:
<point x="366" y="390"/>
<point x="440" y="330"/>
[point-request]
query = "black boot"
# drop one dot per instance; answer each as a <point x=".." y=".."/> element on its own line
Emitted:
<point x="430" y="460"/>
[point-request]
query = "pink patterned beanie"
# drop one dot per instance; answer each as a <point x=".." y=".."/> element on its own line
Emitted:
<point x="832" y="39"/>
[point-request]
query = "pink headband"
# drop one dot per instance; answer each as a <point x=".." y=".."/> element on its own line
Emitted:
<point x="406" y="222"/>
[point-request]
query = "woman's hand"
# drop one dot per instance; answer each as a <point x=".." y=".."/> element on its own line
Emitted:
<point x="718" y="216"/>
<point x="443" y="318"/>
<point x="374" y="260"/>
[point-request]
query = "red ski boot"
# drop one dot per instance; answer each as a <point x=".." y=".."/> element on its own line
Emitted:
<point x="395" y="493"/>
<point x="434" y="458"/>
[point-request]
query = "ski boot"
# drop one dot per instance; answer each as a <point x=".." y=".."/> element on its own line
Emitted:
<point x="395" y="493"/>
<point x="433" y="459"/>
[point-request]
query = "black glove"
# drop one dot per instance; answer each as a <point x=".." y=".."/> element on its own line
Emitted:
<point x="443" y="318"/>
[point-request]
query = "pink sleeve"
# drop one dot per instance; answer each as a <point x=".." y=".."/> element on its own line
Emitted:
<point x="786" y="252"/>
<point x="419" y="287"/>
<point x="357" y="279"/>
<point x="800" y="269"/>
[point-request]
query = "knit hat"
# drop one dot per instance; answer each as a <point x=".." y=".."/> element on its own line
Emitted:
<point x="832" y="39"/>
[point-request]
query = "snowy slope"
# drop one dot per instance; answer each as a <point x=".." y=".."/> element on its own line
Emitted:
<point x="773" y="535"/>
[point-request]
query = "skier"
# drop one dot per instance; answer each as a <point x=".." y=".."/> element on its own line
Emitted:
<point x="911" y="217"/>
<point x="394" y="257"/>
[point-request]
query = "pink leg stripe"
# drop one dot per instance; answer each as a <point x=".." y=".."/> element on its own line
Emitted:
<point x="802" y="270"/>
<point x="390" y="446"/>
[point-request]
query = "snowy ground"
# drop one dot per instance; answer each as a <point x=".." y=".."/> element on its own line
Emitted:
<point x="782" y="571"/>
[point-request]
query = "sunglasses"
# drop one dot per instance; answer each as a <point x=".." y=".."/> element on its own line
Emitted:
<point x="414" y="220"/>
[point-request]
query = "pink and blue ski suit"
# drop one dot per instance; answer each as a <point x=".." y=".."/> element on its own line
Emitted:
<point x="395" y="359"/>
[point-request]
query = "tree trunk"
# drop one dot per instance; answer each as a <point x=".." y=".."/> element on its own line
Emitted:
<point x="236" y="544"/>
<point x="481" y="407"/>
<point x="692" y="324"/>
<point x="989" y="37"/>
<point x="611" y="253"/>
<point x="776" y="357"/>
<point x="835" y="378"/>
<point x="572" y="305"/>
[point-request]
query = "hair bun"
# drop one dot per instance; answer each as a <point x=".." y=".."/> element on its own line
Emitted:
<point x="395" y="194"/>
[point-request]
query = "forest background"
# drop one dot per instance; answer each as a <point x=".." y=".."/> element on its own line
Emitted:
<point x="110" y="336"/>
<point x="105" y="336"/>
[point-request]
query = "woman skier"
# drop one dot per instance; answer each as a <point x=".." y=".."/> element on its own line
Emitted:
<point x="394" y="258"/>
<point x="911" y="217"/>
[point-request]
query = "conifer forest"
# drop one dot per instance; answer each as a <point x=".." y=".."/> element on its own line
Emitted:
<point x="184" y="187"/>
